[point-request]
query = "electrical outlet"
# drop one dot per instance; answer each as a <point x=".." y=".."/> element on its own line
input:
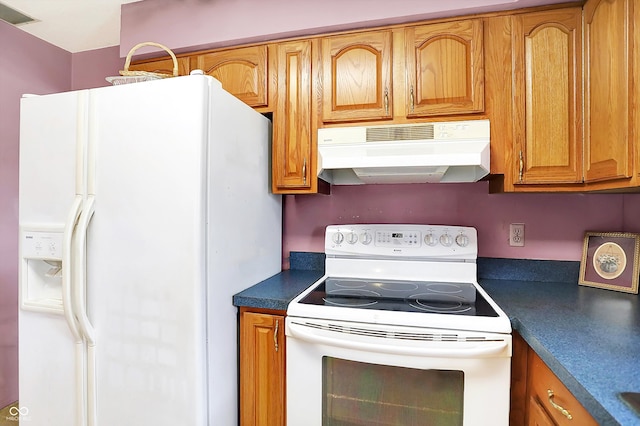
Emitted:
<point x="516" y="235"/>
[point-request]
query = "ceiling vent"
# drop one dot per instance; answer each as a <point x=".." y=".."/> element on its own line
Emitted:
<point x="12" y="16"/>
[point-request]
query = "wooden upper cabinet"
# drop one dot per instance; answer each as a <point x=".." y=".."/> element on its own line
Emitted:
<point x="356" y="76"/>
<point x="445" y="70"/>
<point x="609" y="148"/>
<point x="242" y="72"/>
<point x="548" y="102"/>
<point x="162" y="65"/>
<point x="293" y="157"/>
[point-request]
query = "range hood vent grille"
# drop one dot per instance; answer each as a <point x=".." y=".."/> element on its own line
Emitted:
<point x="400" y="133"/>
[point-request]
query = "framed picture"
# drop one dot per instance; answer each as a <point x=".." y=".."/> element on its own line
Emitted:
<point x="610" y="261"/>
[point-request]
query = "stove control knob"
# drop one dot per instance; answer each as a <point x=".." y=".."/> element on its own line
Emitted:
<point x="338" y="238"/>
<point x="430" y="239"/>
<point x="446" y="240"/>
<point x="366" y="238"/>
<point x="462" y="240"/>
<point x="352" y="238"/>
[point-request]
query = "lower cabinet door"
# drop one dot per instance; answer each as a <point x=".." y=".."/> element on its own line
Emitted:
<point x="262" y="369"/>
<point x="550" y="402"/>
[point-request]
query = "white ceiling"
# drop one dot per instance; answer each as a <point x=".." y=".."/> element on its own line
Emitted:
<point x="81" y="25"/>
<point x="73" y="25"/>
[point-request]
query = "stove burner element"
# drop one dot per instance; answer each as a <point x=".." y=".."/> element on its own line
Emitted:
<point x="351" y="298"/>
<point x="349" y="302"/>
<point x="348" y="283"/>
<point x="395" y="286"/>
<point x="401" y="289"/>
<point x="444" y="288"/>
<point x="440" y="307"/>
<point x="354" y="292"/>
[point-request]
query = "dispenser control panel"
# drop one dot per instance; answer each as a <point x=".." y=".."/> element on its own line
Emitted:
<point x="42" y="245"/>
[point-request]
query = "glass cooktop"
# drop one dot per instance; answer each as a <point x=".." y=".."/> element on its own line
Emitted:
<point x="402" y="296"/>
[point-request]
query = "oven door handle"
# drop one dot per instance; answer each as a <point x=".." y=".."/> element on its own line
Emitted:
<point x="481" y="349"/>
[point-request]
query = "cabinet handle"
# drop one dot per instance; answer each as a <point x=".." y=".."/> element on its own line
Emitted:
<point x="563" y="410"/>
<point x="275" y="335"/>
<point x="304" y="172"/>
<point x="521" y="172"/>
<point x="411" y="98"/>
<point x="386" y="101"/>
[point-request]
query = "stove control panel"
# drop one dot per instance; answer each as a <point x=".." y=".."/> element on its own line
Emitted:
<point x="437" y="241"/>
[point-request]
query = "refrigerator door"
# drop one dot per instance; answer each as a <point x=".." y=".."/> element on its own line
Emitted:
<point x="52" y="134"/>
<point x="146" y="251"/>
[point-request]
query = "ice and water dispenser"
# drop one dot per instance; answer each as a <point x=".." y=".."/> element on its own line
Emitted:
<point x="41" y="270"/>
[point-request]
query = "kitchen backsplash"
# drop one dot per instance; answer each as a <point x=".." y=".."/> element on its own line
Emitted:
<point x="554" y="223"/>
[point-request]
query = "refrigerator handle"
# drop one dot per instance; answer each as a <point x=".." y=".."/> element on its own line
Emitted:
<point x="80" y="252"/>
<point x="80" y="255"/>
<point x="67" y="304"/>
<point x="69" y="231"/>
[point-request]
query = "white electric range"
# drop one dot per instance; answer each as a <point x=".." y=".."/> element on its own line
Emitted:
<point x="396" y="303"/>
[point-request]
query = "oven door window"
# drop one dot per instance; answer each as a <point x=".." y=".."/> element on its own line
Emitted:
<point x="358" y="393"/>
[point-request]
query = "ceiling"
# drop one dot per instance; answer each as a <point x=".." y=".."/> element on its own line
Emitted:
<point x="73" y="25"/>
<point x="81" y="25"/>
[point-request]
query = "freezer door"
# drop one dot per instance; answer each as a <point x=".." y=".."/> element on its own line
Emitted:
<point x="146" y="251"/>
<point x="52" y="131"/>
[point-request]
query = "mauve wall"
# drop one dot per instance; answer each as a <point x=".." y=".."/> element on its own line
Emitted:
<point x="27" y="65"/>
<point x="554" y="223"/>
<point x="90" y="68"/>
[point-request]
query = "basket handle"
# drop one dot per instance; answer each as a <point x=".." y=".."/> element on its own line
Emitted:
<point x="150" y="43"/>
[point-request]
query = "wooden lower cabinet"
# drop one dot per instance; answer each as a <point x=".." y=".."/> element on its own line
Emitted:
<point x="262" y="368"/>
<point x="538" y="397"/>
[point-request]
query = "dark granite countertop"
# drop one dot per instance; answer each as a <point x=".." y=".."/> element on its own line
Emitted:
<point x="277" y="291"/>
<point x="589" y="337"/>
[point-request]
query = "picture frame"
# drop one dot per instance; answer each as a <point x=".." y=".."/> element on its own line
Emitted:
<point x="610" y="260"/>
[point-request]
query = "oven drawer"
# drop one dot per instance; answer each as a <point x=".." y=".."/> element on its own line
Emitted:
<point x="548" y="399"/>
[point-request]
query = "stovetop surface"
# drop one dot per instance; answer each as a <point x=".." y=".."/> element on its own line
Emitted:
<point x="416" y="296"/>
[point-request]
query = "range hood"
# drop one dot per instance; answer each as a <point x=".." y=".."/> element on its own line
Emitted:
<point x="453" y="151"/>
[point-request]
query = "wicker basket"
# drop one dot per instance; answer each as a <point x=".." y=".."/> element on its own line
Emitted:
<point x="127" y="76"/>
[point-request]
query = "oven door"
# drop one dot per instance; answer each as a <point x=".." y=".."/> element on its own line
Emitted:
<point x="347" y="374"/>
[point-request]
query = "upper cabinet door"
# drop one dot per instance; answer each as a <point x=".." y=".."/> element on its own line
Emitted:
<point x="445" y="69"/>
<point x="162" y="65"/>
<point x="293" y="158"/>
<point x="547" y="105"/>
<point x="242" y="72"/>
<point x="356" y="71"/>
<point x="608" y="89"/>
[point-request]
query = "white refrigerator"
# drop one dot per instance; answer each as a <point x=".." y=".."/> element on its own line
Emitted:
<point x="143" y="208"/>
